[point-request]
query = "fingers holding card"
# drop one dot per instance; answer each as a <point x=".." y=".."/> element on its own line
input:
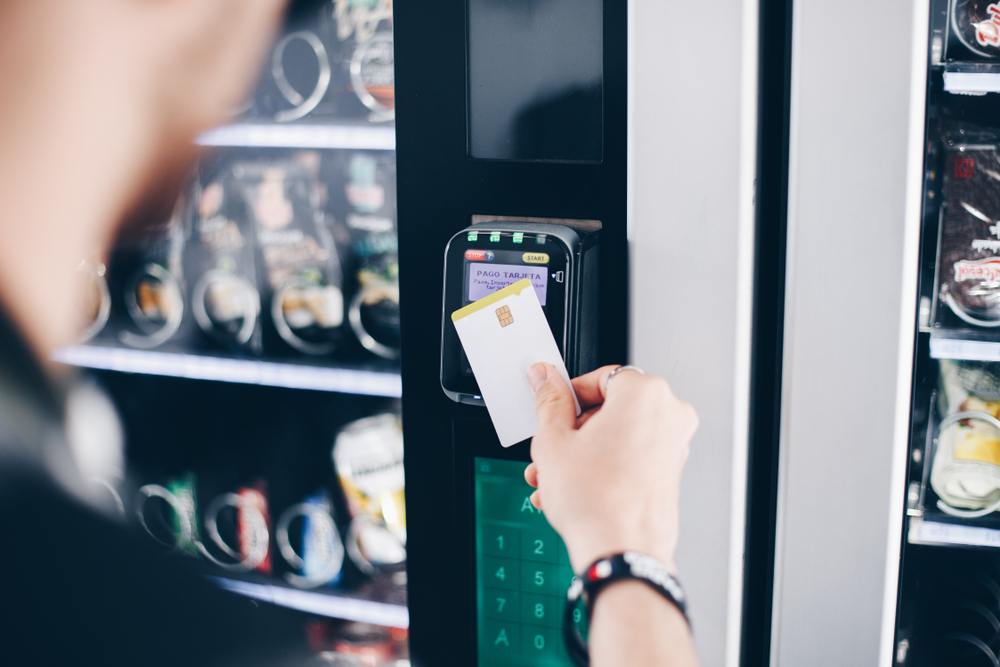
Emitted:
<point x="503" y="334"/>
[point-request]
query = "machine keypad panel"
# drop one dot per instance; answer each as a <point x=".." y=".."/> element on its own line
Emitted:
<point x="523" y="571"/>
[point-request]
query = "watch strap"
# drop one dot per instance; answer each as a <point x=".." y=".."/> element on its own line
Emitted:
<point x="628" y="565"/>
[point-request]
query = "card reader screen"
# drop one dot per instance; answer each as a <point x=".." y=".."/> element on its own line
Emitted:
<point x="523" y="572"/>
<point x="484" y="279"/>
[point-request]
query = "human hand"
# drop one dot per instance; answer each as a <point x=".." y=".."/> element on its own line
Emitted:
<point x="609" y="480"/>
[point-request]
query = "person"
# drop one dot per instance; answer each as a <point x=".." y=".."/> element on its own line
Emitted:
<point x="103" y="102"/>
<point x="609" y="482"/>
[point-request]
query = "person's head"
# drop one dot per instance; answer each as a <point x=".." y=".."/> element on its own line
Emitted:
<point x="98" y="133"/>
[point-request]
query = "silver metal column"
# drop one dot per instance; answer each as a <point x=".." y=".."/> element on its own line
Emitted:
<point x="857" y="123"/>
<point x="691" y="157"/>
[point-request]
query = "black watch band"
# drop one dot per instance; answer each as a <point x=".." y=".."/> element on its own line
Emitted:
<point x="604" y="571"/>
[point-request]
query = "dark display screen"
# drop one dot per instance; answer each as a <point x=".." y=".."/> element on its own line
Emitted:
<point x="522" y="573"/>
<point x="536" y="79"/>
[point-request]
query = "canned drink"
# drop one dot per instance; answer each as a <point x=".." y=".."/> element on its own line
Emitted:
<point x="252" y="539"/>
<point x="174" y="523"/>
<point x="319" y="559"/>
<point x="247" y="548"/>
<point x="368" y="457"/>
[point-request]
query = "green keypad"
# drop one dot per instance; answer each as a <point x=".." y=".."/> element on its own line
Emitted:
<point x="523" y="572"/>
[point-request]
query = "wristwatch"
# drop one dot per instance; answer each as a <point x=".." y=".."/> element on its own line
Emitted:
<point x="628" y="565"/>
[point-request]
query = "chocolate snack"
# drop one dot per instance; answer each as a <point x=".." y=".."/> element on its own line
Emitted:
<point x="146" y="278"/>
<point x="367" y="204"/>
<point x="224" y="300"/>
<point x="301" y="278"/>
<point x="969" y="252"/>
<point x="973" y="31"/>
<point x="374" y="312"/>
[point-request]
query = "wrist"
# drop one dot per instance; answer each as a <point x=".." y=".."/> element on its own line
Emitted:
<point x="620" y="586"/>
<point x="583" y="552"/>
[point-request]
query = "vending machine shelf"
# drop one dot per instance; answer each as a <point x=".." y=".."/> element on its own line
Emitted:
<point x="971" y="81"/>
<point x="371" y="379"/>
<point x="963" y="349"/>
<point x="931" y="532"/>
<point x="378" y="606"/>
<point x="356" y="136"/>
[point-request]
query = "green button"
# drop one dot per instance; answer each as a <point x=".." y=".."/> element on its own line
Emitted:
<point x="580" y="620"/>
<point x="545" y="578"/>
<point x="472" y="236"/>
<point x="542" y="610"/>
<point x="500" y="540"/>
<point x="494" y="237"/>
<point x="541" y="643"/>
<point x="542" y="545"/>
<point x="502" y="605"/>
<point x="499" y="573"/>
<point x="499" y="639"/>
<point x="518" y="237"/>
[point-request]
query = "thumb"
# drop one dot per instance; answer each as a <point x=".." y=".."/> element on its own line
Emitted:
<point x="553" y="398"/>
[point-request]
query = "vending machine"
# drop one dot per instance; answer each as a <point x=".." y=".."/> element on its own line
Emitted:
<point x="948" y="567"/>
<point x="790" y="210"/>
<point x="887" y="525"/>
<point x="249" y="341"/>
<point x="280" y="348"/>
<point x="553" y="140"/>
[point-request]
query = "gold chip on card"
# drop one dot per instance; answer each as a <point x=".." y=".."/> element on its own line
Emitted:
<point x="505" y="316"/>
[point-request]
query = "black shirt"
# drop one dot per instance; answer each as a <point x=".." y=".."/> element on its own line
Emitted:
<point x="77" y="588"/>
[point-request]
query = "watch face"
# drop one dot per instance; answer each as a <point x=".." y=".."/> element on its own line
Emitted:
<point x="975" y="24"/>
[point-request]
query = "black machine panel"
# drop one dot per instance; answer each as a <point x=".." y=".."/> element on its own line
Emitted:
<point x="443" y="186"/>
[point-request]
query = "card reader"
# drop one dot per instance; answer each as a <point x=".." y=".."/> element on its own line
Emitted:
<point x="560" y="260"/>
